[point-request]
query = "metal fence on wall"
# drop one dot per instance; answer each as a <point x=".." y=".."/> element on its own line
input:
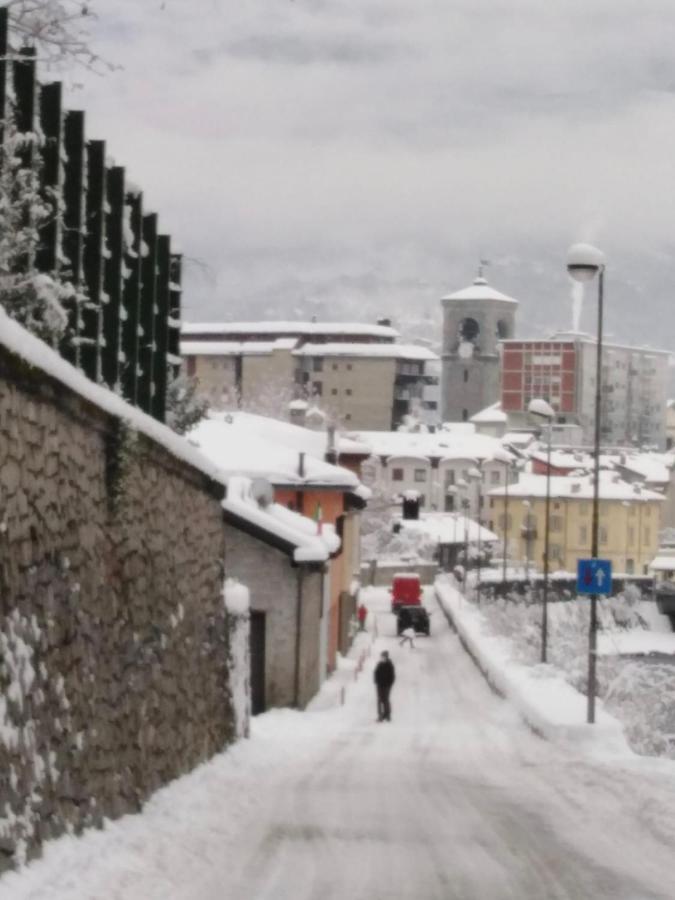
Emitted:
<point x="124" y="317"/>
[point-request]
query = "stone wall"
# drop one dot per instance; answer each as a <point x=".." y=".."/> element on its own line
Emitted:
<point x="113" y="637"/>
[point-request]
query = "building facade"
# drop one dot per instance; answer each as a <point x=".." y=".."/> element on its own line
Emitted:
<point x="562" y="371"/>
<point x="475" y="320"/>
<point x="362" y="379"/>
<point x="630" y="520"/>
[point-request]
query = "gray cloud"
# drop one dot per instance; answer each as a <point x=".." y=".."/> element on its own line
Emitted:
<point x="362" y="152"/>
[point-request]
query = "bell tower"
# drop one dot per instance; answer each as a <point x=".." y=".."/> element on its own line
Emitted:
<point x="475" y="320"/>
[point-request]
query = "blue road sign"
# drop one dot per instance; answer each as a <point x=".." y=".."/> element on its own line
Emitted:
<point x="594" y="576"/>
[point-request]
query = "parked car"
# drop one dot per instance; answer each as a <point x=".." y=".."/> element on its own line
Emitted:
<point x="415" y="617"/>
<point x="406" y="590"/>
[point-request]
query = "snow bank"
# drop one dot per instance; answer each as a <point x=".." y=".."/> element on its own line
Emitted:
<point x="547" y="702"/>
<point x="237" y="604"/>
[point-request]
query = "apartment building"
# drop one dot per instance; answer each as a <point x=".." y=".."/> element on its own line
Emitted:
<point x="630" y="519"/>
<point x="562" y="370"/>
<point x="361" y="375"/>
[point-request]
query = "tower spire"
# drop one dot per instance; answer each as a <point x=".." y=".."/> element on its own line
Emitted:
<point x="482" y="264"/>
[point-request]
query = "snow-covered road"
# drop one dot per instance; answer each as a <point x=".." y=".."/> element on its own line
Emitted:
<point x="454" y="798"/>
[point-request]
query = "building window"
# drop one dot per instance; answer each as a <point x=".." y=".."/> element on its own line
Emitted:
<point x="449" y="477"/>
<point x="420" y="475"/>
<point x="556" y="523"/>
<point x="583" y="534"/>
<point x="349" y="367"/>
<point x="317" y="388"/>
<point x="555" y="552"/>
<point x="335" y="366"/>
<point x="397" y="474"/>
<point x="348" y="392"/>
<point x="317" y="364"/>
<point x="603" y="534"/>
<point x="504" y="522"/>
<point x="495" y="477"/>
<point x="348" y="416"/>
<point x="466" y="375"/>
<point x="648" y="534"/>
<point x="334" y="391"/>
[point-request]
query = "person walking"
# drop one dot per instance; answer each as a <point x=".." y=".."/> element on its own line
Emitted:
<point x="362" y="614"/>
<point x="385" y="675"/>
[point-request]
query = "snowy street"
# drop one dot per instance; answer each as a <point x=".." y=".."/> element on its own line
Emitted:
<point x="454" y="798"/>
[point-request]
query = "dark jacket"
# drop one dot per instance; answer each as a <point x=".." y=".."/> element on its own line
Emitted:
<point x="385" y="674"/>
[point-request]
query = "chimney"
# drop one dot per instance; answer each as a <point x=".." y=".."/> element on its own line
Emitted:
<point x="301" y="465"/>
<point x="385" y="321"/>
<point x="331" y="450"/>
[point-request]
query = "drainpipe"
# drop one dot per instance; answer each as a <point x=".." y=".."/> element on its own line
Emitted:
<point x="298" y="630"/>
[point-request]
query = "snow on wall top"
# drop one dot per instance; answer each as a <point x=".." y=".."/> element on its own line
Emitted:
<point x="580" y="487"/>
<point x="38" y="354"/>
<point x="479" y="290"/>
<point x="312" y="543"/>
<point x="381" y="351"/>
<point x="291" y="328"/>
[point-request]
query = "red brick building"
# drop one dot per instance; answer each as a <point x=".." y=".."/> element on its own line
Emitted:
<point x="545" y="369"/>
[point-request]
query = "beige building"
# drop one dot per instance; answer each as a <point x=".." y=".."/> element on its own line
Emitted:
<point x="363" y="379"/>
<point x="630" y="520"/>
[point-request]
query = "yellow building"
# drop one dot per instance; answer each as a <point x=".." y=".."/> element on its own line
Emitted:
<point x="630" y="520"/>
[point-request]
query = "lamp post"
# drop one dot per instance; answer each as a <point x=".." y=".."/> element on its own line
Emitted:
<point x="543" y="410"/>
<point x="505" y="458"/>
<point x="476" y="474"/>
<point x="584" y="262"/>
<point x="527" y="505"/>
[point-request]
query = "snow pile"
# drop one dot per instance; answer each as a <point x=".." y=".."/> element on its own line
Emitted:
<point x="237" y="597"/>
<point x="237" y="604"/>
<point x="544" y="698"/>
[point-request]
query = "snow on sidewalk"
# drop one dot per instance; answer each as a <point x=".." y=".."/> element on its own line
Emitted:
<point x="547" y="702"/>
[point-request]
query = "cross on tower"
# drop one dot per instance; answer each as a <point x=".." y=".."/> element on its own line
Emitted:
<point x="482" y="264"/>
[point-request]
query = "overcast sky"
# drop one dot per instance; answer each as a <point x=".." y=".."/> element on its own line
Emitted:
<point x="358" y="150"/>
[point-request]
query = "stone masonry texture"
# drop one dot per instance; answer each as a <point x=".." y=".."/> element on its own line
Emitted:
<point x="113" y="633"/>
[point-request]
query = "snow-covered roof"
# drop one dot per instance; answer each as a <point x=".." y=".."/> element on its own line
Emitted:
<point x="580" y="487"/>
<point x="491" y="414"/>
<point x="257" y="448"/>
<point x="449" y="528"/>
<point x="635" y="642"/>
<point x="311" y="542"/>
<point x="289" y="328"/>
<point x="462" y="443"/>
<point x="518" y="438"/>
<point x="235" y="348"/>
<point x="479" y="290"/>
<point x="38" y="354"/>
<point x="655" y="468"/>
<point x="564" y="459"/>
<point x="296" y="437"/>
<point x="380" y="351"/>
<point x="663" y="562"/>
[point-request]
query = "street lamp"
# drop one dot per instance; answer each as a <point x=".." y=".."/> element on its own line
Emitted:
<point x="527" y="505"/>
<point x="505" y="458"/>
<point x="475" y="473"/>
<point x="543" y="410"/>
<point x="584" y="262"/>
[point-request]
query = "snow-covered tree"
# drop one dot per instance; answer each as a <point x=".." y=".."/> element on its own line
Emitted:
<point x="184" y="406"/>
<point x="31" y="297"/>
<point x="59" y="29"/>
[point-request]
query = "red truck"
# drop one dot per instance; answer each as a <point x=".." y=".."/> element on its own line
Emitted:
<point x="406" y="603"/>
